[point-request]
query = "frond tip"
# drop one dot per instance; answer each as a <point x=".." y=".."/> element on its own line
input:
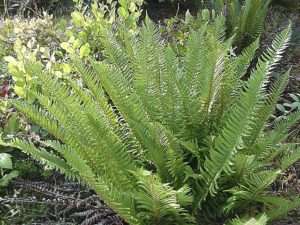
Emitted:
<point x="260" y="221"/>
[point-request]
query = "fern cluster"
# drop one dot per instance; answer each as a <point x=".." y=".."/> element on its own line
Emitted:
<point x="166" y="139"/>
<point x="244" y="18"/>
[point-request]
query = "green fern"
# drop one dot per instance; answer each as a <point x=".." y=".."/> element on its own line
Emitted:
<point x="244" y="19"/>
<point x="164" y="139"/>
<point x="260" y="221"/>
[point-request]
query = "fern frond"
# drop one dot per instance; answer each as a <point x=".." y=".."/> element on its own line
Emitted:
<point x="275" y="52"/>
<point x="250" y="22"/>
<point x="278" y="206"/>
<point x="267" y="108"/>
<point x="109" y="115"/>
<point x="110" y="194"/>
<point x="160" y="200"/>
<point x="148" y="65"/>
<point x="290" y="156"/>
<point x="260" y="221"/>
<point x="268" y="100"/>
<point x="229" y="140"/>
<point x="282" y="128"/>
<point x="133" y="111"/>
<point x="45" y="157"/>
<point x="251" y="189"/>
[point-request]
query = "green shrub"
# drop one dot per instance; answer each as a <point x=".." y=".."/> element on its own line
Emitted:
<point x="34" y="40"/>
<point x="45" y="40"/>
<point x="165" y="139"/>
<point x="87" y="27"/>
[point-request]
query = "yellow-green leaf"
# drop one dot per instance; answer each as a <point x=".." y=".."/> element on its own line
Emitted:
<point x="66" y="68"/>
<point x="123" y="12"/>
<point x="77" y="19"/>
<point x="5" y="161"/>
<point x="84" y="50"/>
<point x="20" y="91"/>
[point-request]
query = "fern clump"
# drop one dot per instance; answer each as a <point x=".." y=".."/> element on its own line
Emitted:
<point x="245" y="19"/>
<point x="167" y="139"/>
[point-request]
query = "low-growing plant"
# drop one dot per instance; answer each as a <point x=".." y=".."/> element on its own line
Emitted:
<point x="244" y="21"/>
<point x="33" y="39"/>
<point x="6" y="169"/>
<point x="244" y="18"/>
<point x="31" y="7"/>
<point x="44" y="40"/>
<point x="289" y="105"/>
<point x="167" y="139"/>
<point x="260" y="221"/>
<point x="87" y="27"/>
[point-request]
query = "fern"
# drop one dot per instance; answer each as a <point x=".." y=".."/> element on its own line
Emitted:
<point x="244" y="19"/>
<point x="164" y="139"/>
<point x="260" y="221"/>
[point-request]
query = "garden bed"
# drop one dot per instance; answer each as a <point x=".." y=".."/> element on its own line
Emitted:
<point x="70" y="203"/>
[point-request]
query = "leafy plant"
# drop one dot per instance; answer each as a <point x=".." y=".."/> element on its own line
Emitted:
<point x="260" y="221"/>
<point x="289" y="105"/>
<point x="6" y="169"/>
<point x="244" y="19"/>
<point x="164" y="139"/>
<point x="86" y="28"/>
<point x="34" y="40"/>
<point x="44" y="40"/>
<point x="29" y="7"/>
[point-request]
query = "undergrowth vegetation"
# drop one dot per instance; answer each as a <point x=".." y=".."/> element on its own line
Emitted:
<point x="165" y="130"/>
<point x="244" y="19"/>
